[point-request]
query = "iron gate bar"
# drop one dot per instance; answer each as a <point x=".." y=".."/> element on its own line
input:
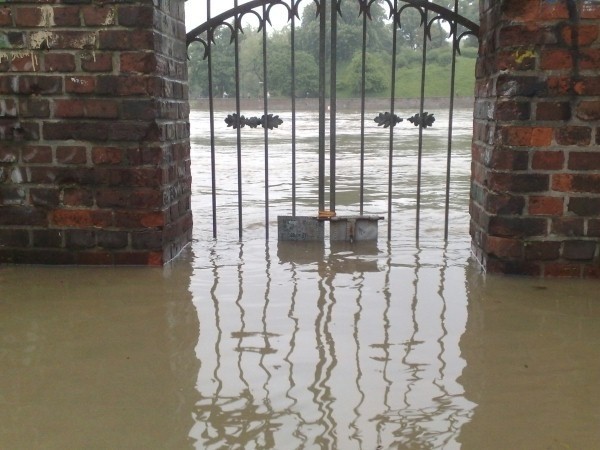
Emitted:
<point x="421" y="110"/>
<point x="322" y="10"/>
<point x="395" y="25"/>
<point x="450" y="123"/>
<point x="236" y="37"/>
<point x="335" y="9"/>
<point x="266" y="128"/>
<point x="211" y="107"/>
<point x="293" y="13"/>
<point x="364" y="10"/>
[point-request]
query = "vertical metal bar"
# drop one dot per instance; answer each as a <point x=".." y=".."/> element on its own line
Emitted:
<point x="332" y="104"/>
<point x="293" y="93"/>
<point x="265" y="127"/>
<point x="211" y="108"/>
<point x="421" y="110"/>
<point x="392" y="112"/>
<point x="454" y="27"/>
<point x="238" y="112"/>
<point x="322" y="7"/>
<point x="362" y="111"/>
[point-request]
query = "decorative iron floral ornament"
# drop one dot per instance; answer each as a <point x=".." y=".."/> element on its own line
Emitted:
<point x="269" y="121"/>
<point x="387" y="120"/>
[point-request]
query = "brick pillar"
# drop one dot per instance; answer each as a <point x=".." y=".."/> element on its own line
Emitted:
<point x="535" y="197"/>
<point x="94" y="134"/>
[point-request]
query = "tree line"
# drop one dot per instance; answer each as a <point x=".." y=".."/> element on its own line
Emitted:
<point x="379" y="32"/>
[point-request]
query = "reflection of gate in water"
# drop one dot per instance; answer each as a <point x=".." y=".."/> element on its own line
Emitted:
<point x="327" y="25"/>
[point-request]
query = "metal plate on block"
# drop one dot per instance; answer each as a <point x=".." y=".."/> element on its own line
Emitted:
<point x="365" y="229"/>
<point x="354" y="228"/>
<point x="300" y="228"/>
<point x="339" y="230"/>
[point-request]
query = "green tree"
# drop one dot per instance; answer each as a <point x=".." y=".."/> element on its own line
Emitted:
<point x="376" y="78"/>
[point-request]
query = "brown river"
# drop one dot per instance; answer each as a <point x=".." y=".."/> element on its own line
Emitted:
<point x="256" y="344"/>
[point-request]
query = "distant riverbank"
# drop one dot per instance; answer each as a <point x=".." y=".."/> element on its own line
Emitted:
<point x="343" y="104"/>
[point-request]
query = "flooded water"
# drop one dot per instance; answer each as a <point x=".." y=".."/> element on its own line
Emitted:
<point x="254" y="344"/>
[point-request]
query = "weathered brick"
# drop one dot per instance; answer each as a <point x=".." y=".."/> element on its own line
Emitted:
<point x="23" y="216"/>
<point x="527" y="136"/>
<point x="24" y="63"/>
<point x="136" y="16"/>
<point x="97" y="62"/>
<point x="555" y="59"/>
<point x="77" y="197"/>
<point x="593" y="228"/>
<point x="518" y="183"/>
<point x="139" y="219"/>
<point x="544" y="205"/>
<point x="77" y="239"/>
<point x="542" y="250"/>
<point x="589" y="58"/>
<point x="584" y="160"/>
<point x="579" y="250"/>
<point x="47" y="238"/>
<point x="99" y="15"/>
<point x="520" y="86"/>
<point x="112" y="198"/>
<point x="71" y="155"/>
<point x="573" y="135"/>
<point x="80" y="84"/>
<point x="39" y="85"/>
<point x="504" y="204"/>
<point x="14" y="238"/>
<point x="585" y="206"/>
<point x="36" y="154"/>
<point x="66" y="16"/>
<point x="95" y="258"/>
<point x="589" y="110"/>
<point x="513" y="110"/>
<point x="33" y="16"/>
<point x="553" y="111"/>
<point x="34" y="107"/>
<point x="125" y="39"/>
<point x="585" y="34"/>
<point x="147" y="240"/>
<point x="138" y="62"/>
<point x="112" y="239"/>
<point x="81" y="131"/>
<point x="562" y="270"/>
<point x="517" y="226"/>
<point x="68" y="108"/>
<point x="6" y="19"/>
<point x="45" y="197"/>
<point x="139" y="258"/>
<point x="59" y="62"/>
<point x="588" y="183"/>
<point x="107" y="155"/>
<point x="567" y="226"/>
<point x="548" y="160"/>
<point x="82" y="218"/>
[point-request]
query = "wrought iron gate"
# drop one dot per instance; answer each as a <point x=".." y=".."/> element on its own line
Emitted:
<point x="328" y="14"/>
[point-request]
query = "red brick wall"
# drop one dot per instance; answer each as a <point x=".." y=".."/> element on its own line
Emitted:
<point x="94" y="134"/>
<point x="535" y="198"/>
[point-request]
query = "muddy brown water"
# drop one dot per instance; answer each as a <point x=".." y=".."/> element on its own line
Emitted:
<point x="253" y="345"/>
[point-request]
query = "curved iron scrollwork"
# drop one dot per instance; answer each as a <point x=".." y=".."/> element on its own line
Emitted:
<point x="387" y="120"/>
<point x="269" y="121"/>
<point x="422" y="6"/>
